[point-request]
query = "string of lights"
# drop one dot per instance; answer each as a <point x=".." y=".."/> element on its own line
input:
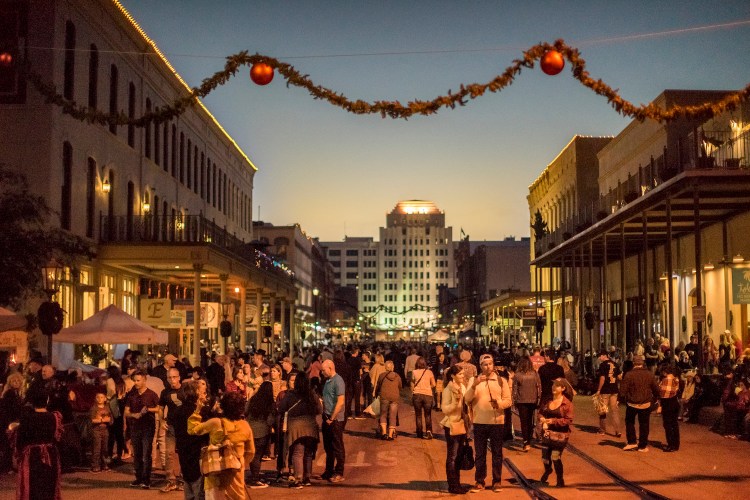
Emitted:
<point x="265" y="66"/>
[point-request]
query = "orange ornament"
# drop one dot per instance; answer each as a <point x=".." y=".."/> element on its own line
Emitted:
<point x="261" y="73"/>
<point x="6" y="59"/>
<point x="552" y="62"/>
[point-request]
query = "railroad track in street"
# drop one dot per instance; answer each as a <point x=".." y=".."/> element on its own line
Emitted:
<point x="527" y="484"/>
<point x="631" y="486"/>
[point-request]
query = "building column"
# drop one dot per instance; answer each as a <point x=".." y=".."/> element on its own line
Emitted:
<point x="623" y="300"/>
<point x="293" y="334"/>
<point x="282" y="320"/>
<point x="223" y="294"/>
<point x="698" y="274"/>
<point x="668" y="263"/>
<point x="259" y="309"/>
<point x="243" y="317"/>
<point x="196" y="344"/>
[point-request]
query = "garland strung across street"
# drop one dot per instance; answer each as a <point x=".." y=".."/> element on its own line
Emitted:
<point x="551" y="57"/>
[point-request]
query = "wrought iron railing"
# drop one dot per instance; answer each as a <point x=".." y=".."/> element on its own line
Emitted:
<point x="716" y="150"/>
<point x="188" y="229"/>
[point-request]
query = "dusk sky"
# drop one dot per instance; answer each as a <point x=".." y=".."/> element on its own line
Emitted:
<point x="338" y="174"/>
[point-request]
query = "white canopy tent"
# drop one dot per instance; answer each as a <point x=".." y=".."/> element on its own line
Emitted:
<point x="10" y="320"/>
<point x="111" y="325"/>
<point x="439" y="336"/>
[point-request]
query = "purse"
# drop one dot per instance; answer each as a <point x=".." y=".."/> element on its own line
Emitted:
<point x="217" y="458"/>
<point x="457" y="428"/>
<point x="601" y="404"/>
<point x="286" y="416"/>
<point x="466" y="456"/>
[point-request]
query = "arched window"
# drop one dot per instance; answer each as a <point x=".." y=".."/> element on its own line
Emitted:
<point x="70" y="60"/>
<point x="93" y="76"/>
<point x="113" y="77"/>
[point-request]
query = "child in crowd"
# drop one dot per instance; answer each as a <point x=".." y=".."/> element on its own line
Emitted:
<point x="101" y="418"/>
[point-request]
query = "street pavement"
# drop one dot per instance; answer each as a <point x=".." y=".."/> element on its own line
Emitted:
<point x="707" y="466"/>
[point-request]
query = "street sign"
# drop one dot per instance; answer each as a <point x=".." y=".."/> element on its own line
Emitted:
<point x="529" y="313"/>
<point x="699" y="314"/>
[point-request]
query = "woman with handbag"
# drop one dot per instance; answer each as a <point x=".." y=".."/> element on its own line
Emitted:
<point x="300" y="409"/>
<point x="454" y="425"/>
<point x="555" y="419"/>
<point x="227" y="479"/>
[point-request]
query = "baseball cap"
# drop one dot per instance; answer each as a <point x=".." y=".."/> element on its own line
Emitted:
<point x="485" y="357"/>
<point x="170" y="357"/>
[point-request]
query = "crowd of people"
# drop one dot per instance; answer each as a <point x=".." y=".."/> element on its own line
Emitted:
<point x="163" y="413"/>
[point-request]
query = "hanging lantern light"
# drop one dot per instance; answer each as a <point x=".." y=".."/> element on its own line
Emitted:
<point x="552" y="62"/>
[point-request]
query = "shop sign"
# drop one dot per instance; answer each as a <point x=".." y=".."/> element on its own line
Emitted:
<point x="155" y="312"/>
<point x="741" y="286"/>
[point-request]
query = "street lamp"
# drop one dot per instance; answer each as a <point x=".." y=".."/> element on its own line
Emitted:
<point x="225" y="327"/>
<point x="315" y="293"/>
<point x="50" y="313"/>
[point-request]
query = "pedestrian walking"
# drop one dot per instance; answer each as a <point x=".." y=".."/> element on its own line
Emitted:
<point x="527" y="391"/>
<point x="228" y="484"/>
<point x="608" y="390"/>
<point x="299" y="409"/>
<point x="260" y="416"/>
<point x="38" y="434"/>
<point x="548" y="373"/>
<point x="669" y="387"/>
<point x="388" y="389"/>
<point x="488" y="396"/>
<point x="101" y="418"/>
<point x="422" y="385"/>
<point x="169" y="402"/>
<point x="334" y="419"/>
<point x="141" y="406"/>
<point x="555" y="419"/>
<point x="188" y="447"/>
<point x="454" y="426"/>
<point x="639" y="391"/>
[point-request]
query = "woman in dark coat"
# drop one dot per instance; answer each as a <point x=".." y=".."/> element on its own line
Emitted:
<point x="302" y="432"/>
<point x="38" y="459"/>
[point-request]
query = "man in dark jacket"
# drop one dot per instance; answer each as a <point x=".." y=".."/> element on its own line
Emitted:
<point x="548" y="372"/>
<point x="639" y="391"/>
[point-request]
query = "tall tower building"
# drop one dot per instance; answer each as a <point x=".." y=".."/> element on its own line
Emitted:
<point x="416" y="259"/>
<point x="397" y="278"/>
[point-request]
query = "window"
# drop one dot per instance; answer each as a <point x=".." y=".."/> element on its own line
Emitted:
<point x="131" y="114"/>
<point x="91" y="197"/>
<point x="67" y="188"/>
<point x="351" y="276"/>
<point x="70" y="61"/>
<point x="203" y="179"/>
<point x="196" y="179"/>
<point x="147" y="132"/>
<point x="334" y="253"/>
<point x="352" y="263"/>
<point x="182" y="155"/>
<point x="189" y="174"/>
<point x="113" y="78"/>
<point x="93" y="76"/>
<point x="165" y="149"/>
<point x="174" y="151"/>
<point x="352" y="253"/>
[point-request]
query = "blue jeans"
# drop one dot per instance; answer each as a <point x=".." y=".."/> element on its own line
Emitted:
<point x="422" y="406"/>
<point x="142" y="436"/>
<point x="452" y="468"/>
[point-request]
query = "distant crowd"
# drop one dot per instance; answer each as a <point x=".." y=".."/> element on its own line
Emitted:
<point x="161" y="411"/>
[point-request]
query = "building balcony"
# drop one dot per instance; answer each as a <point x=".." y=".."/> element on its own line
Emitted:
<point x="701" y="151"/>
<point x="186" y="230"/>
